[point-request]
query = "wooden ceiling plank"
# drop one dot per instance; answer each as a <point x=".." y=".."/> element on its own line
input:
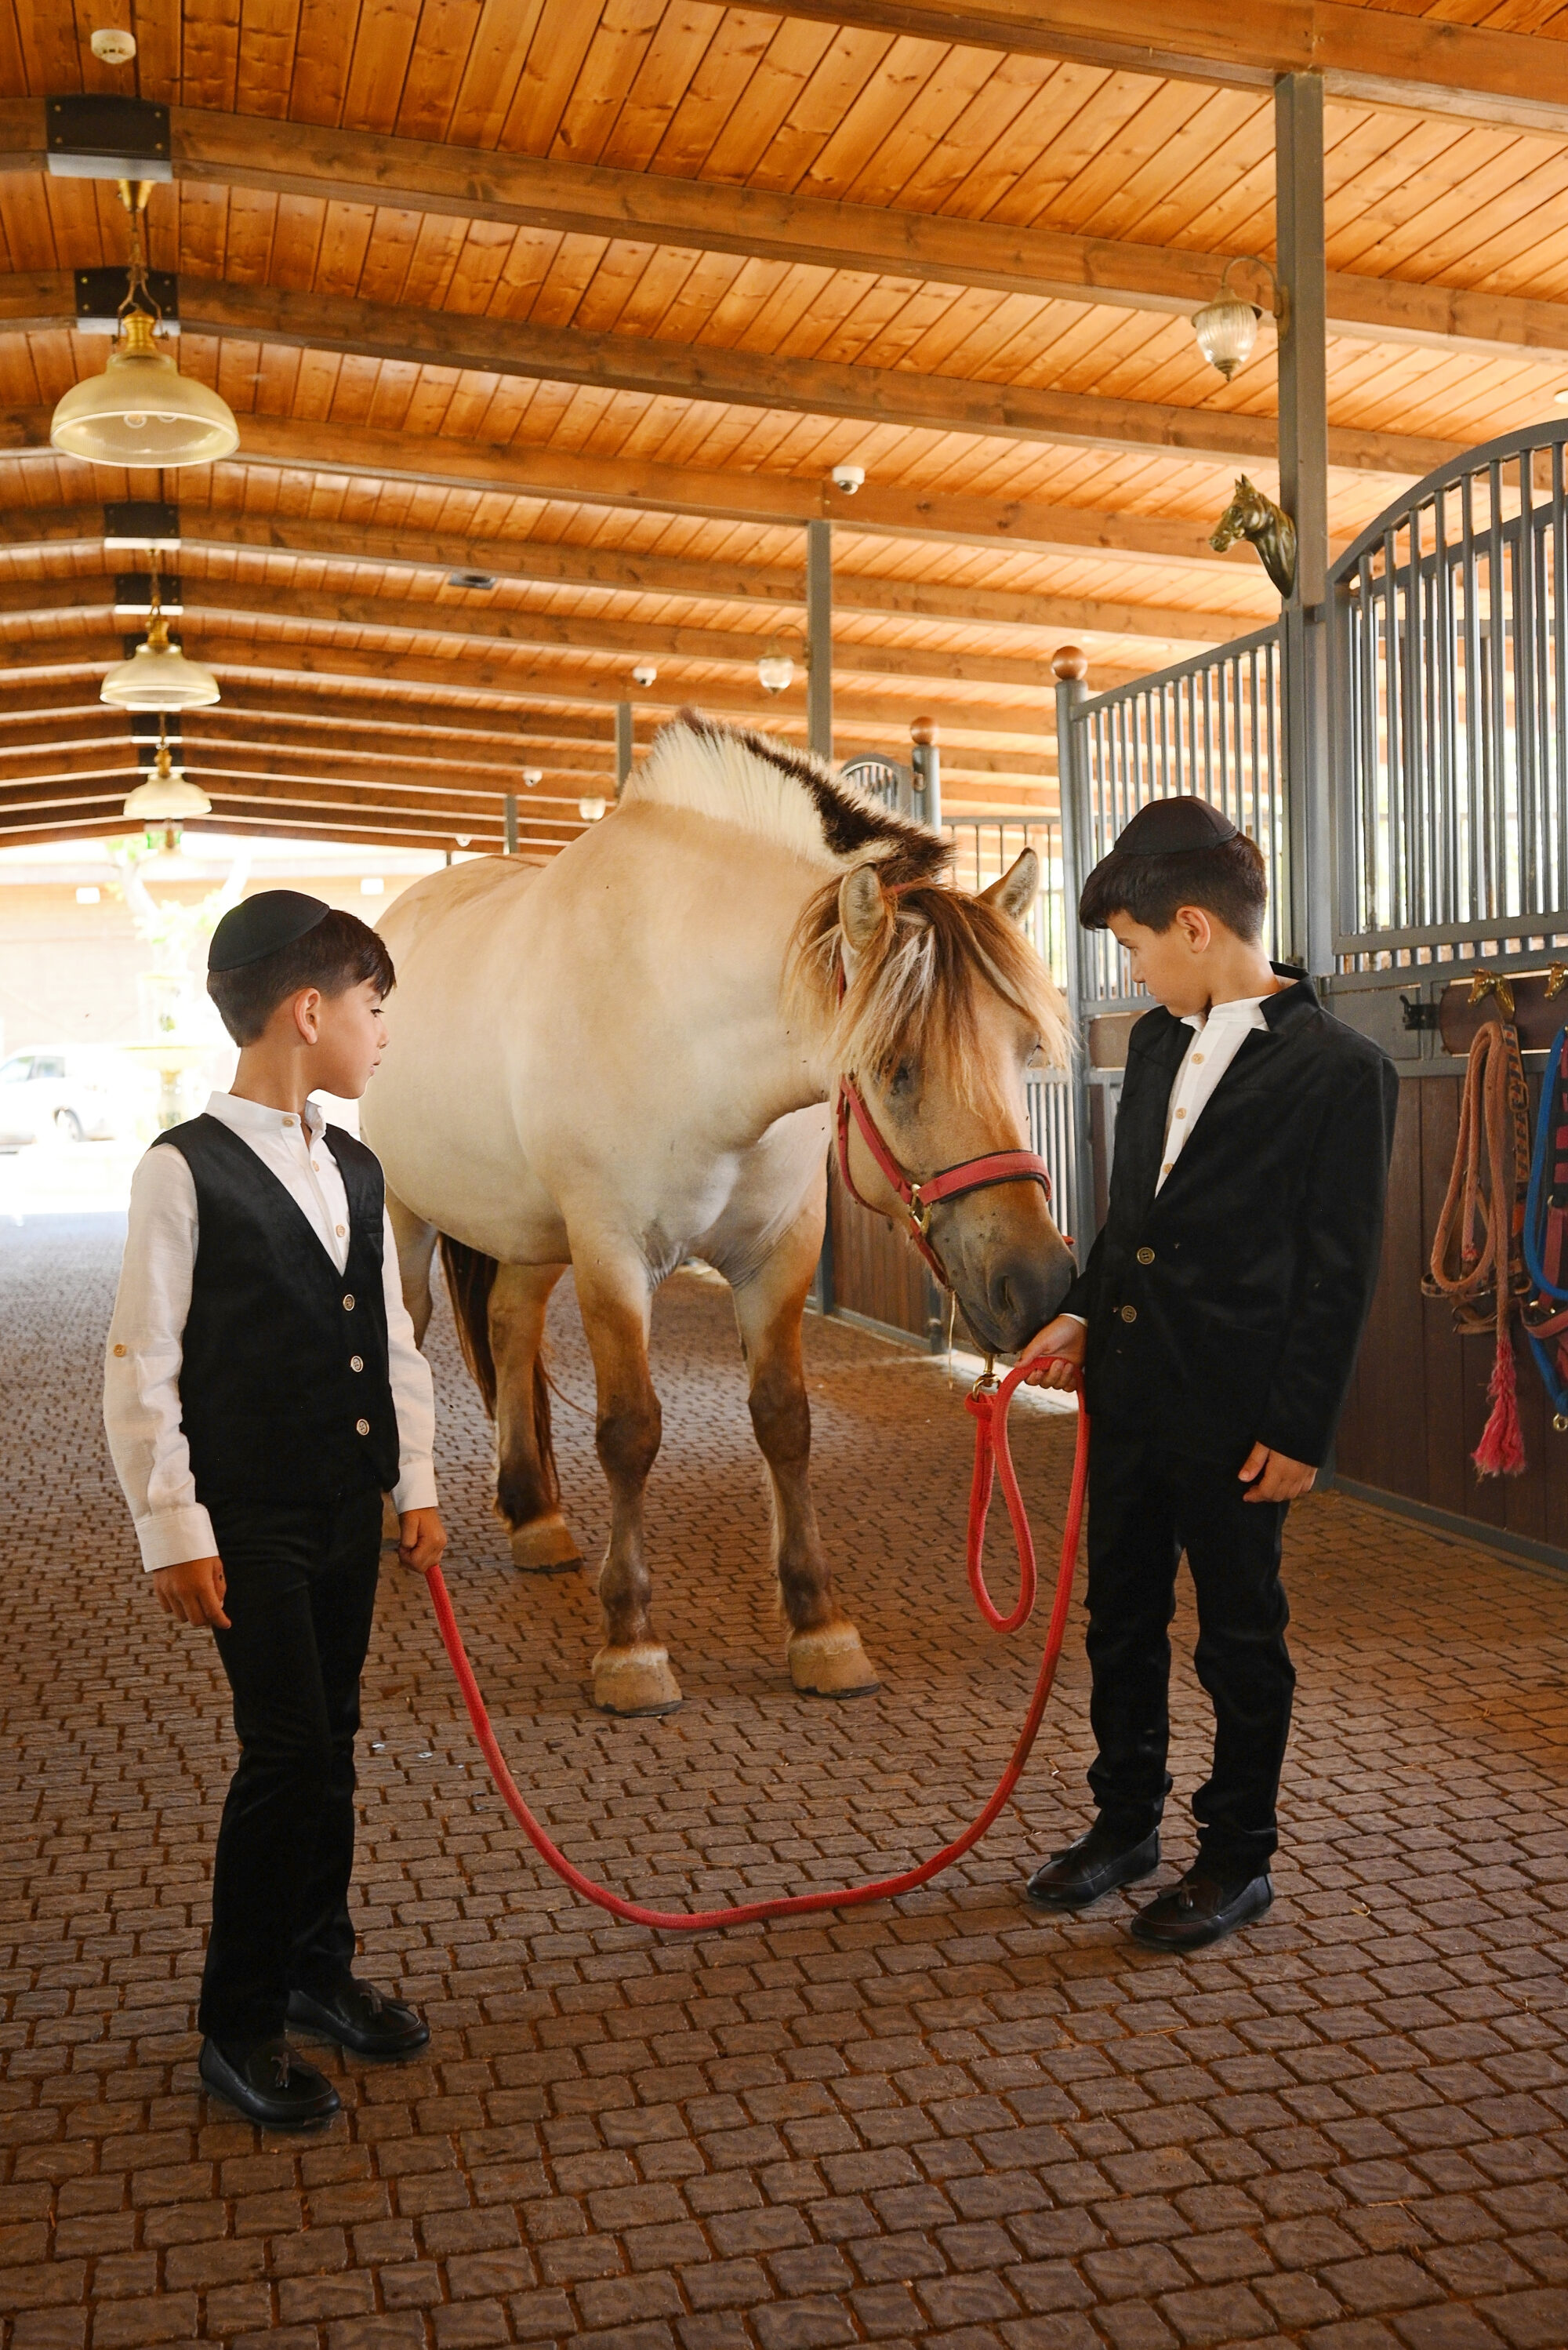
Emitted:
<point x="364" y="454"/>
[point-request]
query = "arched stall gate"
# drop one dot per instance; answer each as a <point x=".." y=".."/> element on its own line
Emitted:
<point x="1431" y="842"/>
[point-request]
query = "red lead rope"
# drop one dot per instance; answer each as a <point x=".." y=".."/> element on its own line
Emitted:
<point x="989" y="1405"/>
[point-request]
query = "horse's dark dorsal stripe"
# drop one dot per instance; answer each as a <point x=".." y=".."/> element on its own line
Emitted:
<point x="851" y="827"/>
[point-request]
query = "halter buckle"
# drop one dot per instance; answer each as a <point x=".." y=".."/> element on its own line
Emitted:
<point x="919" y="1214"/>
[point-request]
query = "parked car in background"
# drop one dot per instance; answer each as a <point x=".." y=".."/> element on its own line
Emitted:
<point x="69" y="1090"/>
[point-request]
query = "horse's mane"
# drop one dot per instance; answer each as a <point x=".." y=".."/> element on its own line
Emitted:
<point x="916" y="984"/>
<point x="783" y="795"/>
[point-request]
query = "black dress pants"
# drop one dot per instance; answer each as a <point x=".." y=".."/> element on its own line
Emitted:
<point x="301" y="1595"/>
<point x="1146" y="1505"/>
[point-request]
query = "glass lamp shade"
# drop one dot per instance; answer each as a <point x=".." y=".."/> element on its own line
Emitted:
<point x="167" y="799"/>
<point x="1226" y="332"/>
<point x="775" y="671"/>
<point x="142" y="411"/>
<point x="159" y="677"/>
<point x="591" y="808"/>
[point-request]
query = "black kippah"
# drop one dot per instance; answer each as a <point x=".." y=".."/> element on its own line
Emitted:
<point x="260" y="925"/>
<point x="1172" y="827"/>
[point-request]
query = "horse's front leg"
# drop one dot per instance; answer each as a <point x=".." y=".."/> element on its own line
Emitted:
<point x="826" y="1657"/>
<point x="631" y="1671"/>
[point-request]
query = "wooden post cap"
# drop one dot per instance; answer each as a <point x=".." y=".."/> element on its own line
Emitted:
<point x="923" y="731"/>
<point x="1070" y="661"/>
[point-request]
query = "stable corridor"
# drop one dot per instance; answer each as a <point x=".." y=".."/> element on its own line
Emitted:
<point x="944" y="2121"/>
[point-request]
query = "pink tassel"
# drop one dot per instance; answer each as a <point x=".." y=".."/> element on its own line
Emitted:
<point x="1501" y="1452"/>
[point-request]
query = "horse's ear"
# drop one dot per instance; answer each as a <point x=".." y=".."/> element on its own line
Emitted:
<point x="1017" y="890"/>
<point x="862" y="907"/>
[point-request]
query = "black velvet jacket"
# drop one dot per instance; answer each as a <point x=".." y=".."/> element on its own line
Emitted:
<point x="1228" y="1307"/>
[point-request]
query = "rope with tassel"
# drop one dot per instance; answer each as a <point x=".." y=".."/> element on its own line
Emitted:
<point x="1478" y="1250"/>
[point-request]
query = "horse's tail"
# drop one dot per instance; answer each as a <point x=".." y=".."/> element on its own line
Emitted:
<point x="469" y="1278"/>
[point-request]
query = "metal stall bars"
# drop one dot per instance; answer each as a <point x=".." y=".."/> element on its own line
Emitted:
<point x="1450" y="721"/>
<point x="1211" y="725"/>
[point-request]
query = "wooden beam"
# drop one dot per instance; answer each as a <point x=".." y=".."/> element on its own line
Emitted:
<point x="442" y="811"/>
<point x="732" y="379"/>
<point x="36" y="659"/>
<point x="428" y="781"/>
<point x="347" y="833"/>
<point x="544" y="564"/>
<point x="517" y="470"/>
<point x="207" y="601"/>
<point x="1369" y="54"/>
<point x="338" y="166"/>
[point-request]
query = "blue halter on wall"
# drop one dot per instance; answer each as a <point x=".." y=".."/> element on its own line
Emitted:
<point x="1548" y="1200"/>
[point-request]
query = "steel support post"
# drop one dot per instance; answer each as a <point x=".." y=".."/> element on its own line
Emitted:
<point x="622" y="746"/>
<point x="1304" y="493"/>
<point x="926" y="767"/>
<point x="1073" y="795"/>
<point x="819" y="637"/>
<point x="511" y="807"/>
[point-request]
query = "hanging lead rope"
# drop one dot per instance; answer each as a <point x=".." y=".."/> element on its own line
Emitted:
<point x="1486" y="1225"/>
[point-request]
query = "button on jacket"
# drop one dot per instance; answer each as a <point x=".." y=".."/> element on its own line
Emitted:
<point x="1225" y="1301"/>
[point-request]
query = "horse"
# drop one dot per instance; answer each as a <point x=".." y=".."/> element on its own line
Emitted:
<point x="622" y="1059"/>
<point x="1256" y="518"/>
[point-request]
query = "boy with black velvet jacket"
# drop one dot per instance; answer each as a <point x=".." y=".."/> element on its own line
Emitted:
<point x="1216" y="1322"/>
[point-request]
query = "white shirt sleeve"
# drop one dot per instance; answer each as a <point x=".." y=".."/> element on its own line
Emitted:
<point x="413" y="1395"/>
<point x="141" y="1367"/>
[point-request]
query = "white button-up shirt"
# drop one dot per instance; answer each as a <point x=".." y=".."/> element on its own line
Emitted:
<point x="141" y="1370"/>
<point x="1218" y="1035"/>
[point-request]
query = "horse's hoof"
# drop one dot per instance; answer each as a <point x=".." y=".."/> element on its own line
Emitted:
<point x="544" y="1547"/>
<point x="831" y="1663"/>
<point x="635" y="1681"/>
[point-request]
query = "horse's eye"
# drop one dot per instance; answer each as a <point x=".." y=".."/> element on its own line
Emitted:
<point x="903" y="1078"/>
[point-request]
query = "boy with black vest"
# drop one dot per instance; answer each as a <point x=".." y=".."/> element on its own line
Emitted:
<point x="263" y="1391"/>
<point x="1216" y="1322"/>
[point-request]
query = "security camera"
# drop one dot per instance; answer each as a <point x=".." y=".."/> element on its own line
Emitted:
<point x="532" y="775"/>
<point x="848" y="478"/>
<point x="644" y="673"/>
<point x="113" y="46"/>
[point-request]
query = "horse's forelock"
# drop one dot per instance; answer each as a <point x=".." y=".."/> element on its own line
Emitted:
<point x="916" y="985"/>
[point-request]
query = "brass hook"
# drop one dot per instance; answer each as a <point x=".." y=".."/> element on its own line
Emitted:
<point x="1556" y="980"/>
<point x="1493" y="983"/>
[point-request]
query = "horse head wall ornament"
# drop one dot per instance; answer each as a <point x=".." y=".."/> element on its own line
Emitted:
<point x="1252" y="517"/>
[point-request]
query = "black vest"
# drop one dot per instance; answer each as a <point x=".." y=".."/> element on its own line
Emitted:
<point x="271" y="1406"/>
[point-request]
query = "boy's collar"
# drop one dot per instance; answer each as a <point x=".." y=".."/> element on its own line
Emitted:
<point x="237" y="1111"/>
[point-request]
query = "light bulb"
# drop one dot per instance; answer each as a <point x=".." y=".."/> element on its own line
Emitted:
<point x="142" y="411"/>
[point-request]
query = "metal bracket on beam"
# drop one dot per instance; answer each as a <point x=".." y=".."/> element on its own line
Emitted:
<point x="100" y="292"/>
<point x="98" y="137"/>
<point x="133" y="593"/>
<point x="152" y="524"/>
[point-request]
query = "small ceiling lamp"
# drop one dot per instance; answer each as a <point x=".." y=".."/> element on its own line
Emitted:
<point x="591" y="808"/>
<point x="774" y="671"/>
<point x="158" y="676"/>
<point x="532" y="775"/>
<point x="1227" y="328"/>
<point x="166" y="798"/>
<point x="142" y="410"/>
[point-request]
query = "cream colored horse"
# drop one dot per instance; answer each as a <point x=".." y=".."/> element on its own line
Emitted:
<point x="624" y="1058"/>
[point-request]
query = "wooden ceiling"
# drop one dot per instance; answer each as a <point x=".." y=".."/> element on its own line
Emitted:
<point x="589" y="296"/>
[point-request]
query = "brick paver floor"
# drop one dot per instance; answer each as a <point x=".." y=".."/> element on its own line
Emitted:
<point x="943" y="2121"/>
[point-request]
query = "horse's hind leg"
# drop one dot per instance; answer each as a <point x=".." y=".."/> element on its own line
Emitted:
<point x="826" y="1657"/>
<point x="527" y="1493"/>
<point x="631" y="1671"/>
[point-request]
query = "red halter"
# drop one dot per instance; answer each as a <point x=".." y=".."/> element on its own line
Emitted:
<point x="951" y="1183"/>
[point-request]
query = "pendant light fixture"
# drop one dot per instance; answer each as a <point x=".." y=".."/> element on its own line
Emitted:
<point x="1227" y="328"/>
<point x="775" y="669"/>
<point x="166" y="798"/>
<point x="142" y="410"/>
<point x="158" y="676"/>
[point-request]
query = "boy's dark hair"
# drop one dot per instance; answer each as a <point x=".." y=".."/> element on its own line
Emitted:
<point x="339" y="953"/>
<point x="1227" y="880"/>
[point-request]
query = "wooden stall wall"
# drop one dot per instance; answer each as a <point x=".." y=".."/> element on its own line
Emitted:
<point x="1418" y="1400"/>
<point x="876" y="1273"/>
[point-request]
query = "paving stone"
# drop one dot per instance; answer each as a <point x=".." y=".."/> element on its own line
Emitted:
<point x="945" y="2121"/>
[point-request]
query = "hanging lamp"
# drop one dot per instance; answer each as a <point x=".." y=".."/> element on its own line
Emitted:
<point x="158" y="676"/>
<point x="1227" y="328"/>
<point x="167" y="796"/>
<point x="142" y="410"/>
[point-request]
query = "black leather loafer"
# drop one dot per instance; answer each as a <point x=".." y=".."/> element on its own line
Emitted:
<point x="269" y="2084"/>
<point x="1095" y="1866"/>
<point x="360" y="2018"/>
<point x="1201" y="1909"/>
